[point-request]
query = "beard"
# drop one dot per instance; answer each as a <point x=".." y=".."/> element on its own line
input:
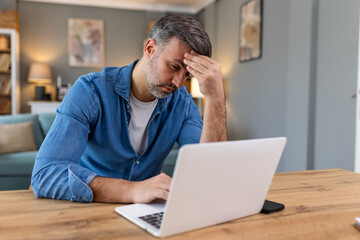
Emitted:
<point x="153" y="80"/>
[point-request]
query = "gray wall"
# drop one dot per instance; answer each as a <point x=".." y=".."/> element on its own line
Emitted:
<point x="299" y="84"/>
<point x="302" y="86"/>
<point x="256" y="90"/>
<point x="7" y="4"/>
<point x="336" y="82"/>
<point x="43" y="38"/>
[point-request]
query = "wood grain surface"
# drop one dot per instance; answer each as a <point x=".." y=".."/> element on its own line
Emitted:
<point x="319" y="204"/>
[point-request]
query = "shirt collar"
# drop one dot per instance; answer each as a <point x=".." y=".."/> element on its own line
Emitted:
<point x="123" y="83"/>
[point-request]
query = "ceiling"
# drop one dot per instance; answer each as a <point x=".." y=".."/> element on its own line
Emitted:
<point x="178" y="6"/>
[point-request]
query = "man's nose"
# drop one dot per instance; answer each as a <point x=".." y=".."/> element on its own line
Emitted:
<point x="179" y="80"/>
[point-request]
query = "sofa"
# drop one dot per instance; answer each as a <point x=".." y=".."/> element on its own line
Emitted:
<point x="18" y="152"/>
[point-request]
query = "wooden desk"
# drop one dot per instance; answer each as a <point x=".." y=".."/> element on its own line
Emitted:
<point x="319" y="205"/>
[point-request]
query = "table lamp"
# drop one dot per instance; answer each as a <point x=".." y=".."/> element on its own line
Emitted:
<point x="39" y="73"/>
<point x="196" y="94"/>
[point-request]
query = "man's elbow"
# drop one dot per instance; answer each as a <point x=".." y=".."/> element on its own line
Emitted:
<point x="35" y="185"/>
<point x="42" y="184"/>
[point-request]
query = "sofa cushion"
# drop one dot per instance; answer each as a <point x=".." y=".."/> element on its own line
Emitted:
<point x="20" y="118"/>
<point x="46" y="120"/>
<point x="17" y="164"/>
<point x="17" y="137"/>
<point x="14" y="183"/>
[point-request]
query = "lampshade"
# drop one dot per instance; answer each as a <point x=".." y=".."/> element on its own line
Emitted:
<point x="195" y="89"/>
<point x="39" y="73"/>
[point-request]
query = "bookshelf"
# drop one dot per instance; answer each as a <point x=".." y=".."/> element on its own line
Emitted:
<point x="9" y="72"/>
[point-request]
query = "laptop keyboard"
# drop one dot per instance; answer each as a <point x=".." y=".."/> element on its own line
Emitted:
<point x="153" y="219"/>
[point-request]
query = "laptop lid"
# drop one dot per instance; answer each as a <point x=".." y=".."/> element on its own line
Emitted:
<point x="217" y="182"/>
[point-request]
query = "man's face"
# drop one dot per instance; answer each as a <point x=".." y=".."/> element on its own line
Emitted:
<point x="165" y="71"/>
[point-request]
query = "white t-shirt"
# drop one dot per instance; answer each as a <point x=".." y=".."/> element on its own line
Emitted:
<point x="140" y="113"/>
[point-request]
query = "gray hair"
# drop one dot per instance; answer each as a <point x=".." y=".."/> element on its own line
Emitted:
<point x="185" y="28"/>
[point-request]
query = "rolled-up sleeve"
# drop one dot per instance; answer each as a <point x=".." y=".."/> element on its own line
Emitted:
<point x="56" y="172"/>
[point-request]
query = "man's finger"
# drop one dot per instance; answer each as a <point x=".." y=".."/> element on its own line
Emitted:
<point x="194" y="72"/>
<point x="197" y="66"/>
<point x="163" y="181"/>
<point x="162" y="194"/>
<point x="189" y="59"/>
<point x="163" y="185"/>
<point x="207" y="59"/>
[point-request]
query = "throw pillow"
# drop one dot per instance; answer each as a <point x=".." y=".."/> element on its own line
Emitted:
<point x="25" y="117"/>
<point x="17" y="137"/>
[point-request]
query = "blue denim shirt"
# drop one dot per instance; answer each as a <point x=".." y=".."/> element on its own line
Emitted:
<point x="90" y="136"/>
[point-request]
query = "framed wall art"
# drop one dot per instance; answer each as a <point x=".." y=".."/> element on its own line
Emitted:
<point x="86" y="42"/>
<point x="250" y="30"/>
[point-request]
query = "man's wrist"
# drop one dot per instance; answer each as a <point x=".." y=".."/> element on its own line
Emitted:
<point x="218" y="105"/>
<point x="214" y="128"/>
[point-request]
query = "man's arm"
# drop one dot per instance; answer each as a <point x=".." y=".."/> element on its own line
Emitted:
<point x="56" y="172"/>
<point x="208" y="72"/>
<point x="115" y="190"/>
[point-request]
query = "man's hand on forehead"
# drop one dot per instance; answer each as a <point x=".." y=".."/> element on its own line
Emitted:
<point x="207" y="71"/>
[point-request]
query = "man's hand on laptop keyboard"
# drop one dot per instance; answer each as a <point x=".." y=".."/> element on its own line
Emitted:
<point x="122" y="191"/>
<point x="151" y="189"/>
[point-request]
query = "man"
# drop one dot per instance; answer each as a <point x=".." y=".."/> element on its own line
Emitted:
<point x="114" y="129"/>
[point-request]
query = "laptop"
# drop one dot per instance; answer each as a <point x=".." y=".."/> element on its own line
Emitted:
<point x="212" y="183"/>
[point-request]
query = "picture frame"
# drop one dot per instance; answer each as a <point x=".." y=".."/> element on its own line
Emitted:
<point x="86" y="43"/>
<point x="250" y="40"/>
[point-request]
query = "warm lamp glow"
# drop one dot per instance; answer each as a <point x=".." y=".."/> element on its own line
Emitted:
<point x="39" y="73"/>
<point x="195" y="89"/>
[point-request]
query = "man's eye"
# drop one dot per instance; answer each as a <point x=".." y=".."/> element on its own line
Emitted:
<point x="174" y="67"/>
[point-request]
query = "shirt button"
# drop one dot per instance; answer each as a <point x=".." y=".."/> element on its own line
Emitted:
<point x="138" y="162"/>
<point x="128" y="106"/>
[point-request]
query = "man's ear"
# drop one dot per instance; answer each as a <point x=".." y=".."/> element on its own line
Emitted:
<point x="149" y="49"/>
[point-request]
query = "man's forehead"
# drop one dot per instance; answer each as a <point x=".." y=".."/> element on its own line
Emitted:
<point x="180" y="61"/>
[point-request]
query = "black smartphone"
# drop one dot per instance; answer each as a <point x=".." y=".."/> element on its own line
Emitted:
<point x="270" y="207"/>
